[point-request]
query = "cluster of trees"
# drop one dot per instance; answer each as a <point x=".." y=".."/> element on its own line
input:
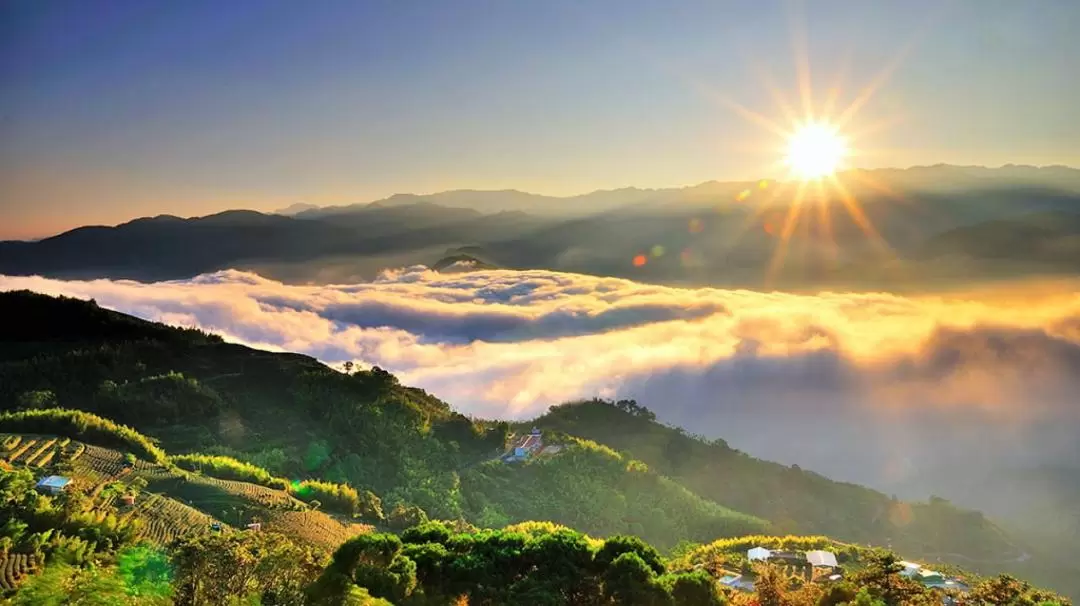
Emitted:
<point x="250" y="568"/>
<point x="164" y="398"/>
<point x="340" y="497"/>
<point x="412" y="445"/>
<point x="431" y="565"/>
<point x="629" y="406"/>
<point x="593" y="488"/>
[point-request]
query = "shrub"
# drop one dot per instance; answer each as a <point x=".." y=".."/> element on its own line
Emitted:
<point x="405" y="516"/>
<point x="337" y="497"/>
<point x="228" y="468"/>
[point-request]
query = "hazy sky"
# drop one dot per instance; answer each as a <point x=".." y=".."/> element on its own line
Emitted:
<point x="115" y="109"/>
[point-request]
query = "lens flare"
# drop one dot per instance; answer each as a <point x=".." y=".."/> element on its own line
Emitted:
<point x="816" y="150"/>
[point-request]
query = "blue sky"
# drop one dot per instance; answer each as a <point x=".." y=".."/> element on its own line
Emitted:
<point x="115" y="109"/>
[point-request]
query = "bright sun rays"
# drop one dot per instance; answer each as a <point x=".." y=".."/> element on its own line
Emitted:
<point x="815" y="150"/>
<point x="815" y="142"/>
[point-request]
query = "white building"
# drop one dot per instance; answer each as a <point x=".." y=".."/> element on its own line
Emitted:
<point x="758" y="553"/>
<point x="822" y="558"/>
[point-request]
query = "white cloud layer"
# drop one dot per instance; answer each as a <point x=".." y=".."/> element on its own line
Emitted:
<point x="872" y="387"/>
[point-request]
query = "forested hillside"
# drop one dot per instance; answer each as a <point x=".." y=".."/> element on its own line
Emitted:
<point x="795" y="500"/>
<point x="287" y="418"/>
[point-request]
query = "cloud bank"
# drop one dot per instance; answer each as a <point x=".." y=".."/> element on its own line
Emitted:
<point x="871" y="387"/>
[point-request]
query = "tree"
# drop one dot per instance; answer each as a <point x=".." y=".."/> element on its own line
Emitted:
<point x="838" y="593"/>
<point x="373" y="561"/>
<point x="630" y="581"/>
<point x="264" y="565"/>
<point x="620" y="544"/>
<point x="405" y="516"/>
<point x="882" y="579"/>
<point x="428" y="532"/>
<point x="37" y="399"/>
<point x="770" y="586"/>
<point x="693" y="589"/>
<point x="563" y="564"/>
<point x="863" y="598"/>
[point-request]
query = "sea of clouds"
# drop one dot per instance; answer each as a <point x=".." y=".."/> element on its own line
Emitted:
<point x="909" y="394"/>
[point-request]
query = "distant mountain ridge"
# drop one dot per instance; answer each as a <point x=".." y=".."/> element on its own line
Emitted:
<point x="488" y="201"/>
<point x="715" y="233"/>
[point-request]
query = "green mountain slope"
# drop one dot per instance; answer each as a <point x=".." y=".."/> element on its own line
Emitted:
<point x="795" y="500"/>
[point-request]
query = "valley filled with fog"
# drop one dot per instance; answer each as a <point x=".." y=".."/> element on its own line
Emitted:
<point x="959" y="395"/>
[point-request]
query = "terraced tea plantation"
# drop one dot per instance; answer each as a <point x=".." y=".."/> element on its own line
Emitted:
<point x="241" y="503"/>
<point x="34" y="451"/>
<point x="176" y="502"/>
<point x="165" y="519"/>
<point x="315" y="528"/>
<point x="14" y="567"/>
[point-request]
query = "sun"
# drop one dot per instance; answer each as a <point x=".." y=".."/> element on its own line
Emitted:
<point x="815" y="150"/>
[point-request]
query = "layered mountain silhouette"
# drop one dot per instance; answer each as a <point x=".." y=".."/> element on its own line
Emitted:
<point x="943" y="219"/>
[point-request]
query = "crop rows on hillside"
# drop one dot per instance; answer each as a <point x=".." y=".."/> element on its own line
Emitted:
<point x="152" y="472"/>
<point x="21" y="448"/>
<point x="103" y="460"/>
<point x="261" y="495"/>
<point x="165" y="520"/>
<point x="73" y="450"/>
<point x="314" y="527"/>
<point x="31" y="456"/>
<point x="14" y="567"/>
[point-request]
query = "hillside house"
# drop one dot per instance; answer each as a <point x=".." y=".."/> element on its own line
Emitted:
<point x="53" y="485"/>
<point x="526" y="446"/>
<point x="758" y="554"/>
<point x="822" y="558"/>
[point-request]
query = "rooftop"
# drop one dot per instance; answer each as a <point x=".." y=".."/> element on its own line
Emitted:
<point x="53" y="482"/>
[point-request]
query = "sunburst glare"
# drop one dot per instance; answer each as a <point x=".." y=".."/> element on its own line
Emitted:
<point x="815" y="147"/>
<point x="815" y="150"/>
